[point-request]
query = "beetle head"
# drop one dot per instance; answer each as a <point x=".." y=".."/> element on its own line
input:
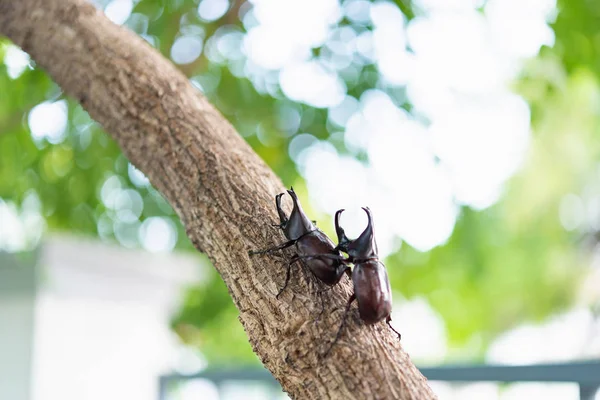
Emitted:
<point x="298" y="224"/>
<point x="362" y="247"/>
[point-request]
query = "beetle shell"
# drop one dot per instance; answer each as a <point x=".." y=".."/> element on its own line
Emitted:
<point x="373" y="291"/>
<point x="327" y="270"/>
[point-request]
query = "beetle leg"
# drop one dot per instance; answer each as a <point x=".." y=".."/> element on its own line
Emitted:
<point x="348" y="272"/>
<point x="287" y="275"/>
<point x="320" y="292"/>
<point x="322" y="306"/>
<point x="387" y="321"/>
<point x="339" y="332"/>
<point x="272" y="249"/>
<point x="325" y="255"/>
<point x="327" y="289"/>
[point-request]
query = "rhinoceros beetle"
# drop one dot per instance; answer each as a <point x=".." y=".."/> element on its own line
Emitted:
<point x="371" y="284"/>
<point x="313" y="247"/>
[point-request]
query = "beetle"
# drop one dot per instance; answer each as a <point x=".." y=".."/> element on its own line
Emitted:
<point x="313" y="247"/>
<point x="372" y="288"/>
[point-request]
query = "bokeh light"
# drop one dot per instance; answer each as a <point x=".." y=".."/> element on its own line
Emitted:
<point x="186" y="49"/>
<point x="48" y="121"/>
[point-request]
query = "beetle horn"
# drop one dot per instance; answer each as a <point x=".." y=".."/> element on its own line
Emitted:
<point x="283" y="219"/>
<point x="298" y="223"/>
<point x="365" y="243"/>
<point x="342" y="238"/>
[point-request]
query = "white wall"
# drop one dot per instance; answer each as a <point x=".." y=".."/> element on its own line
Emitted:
<point x="96" y="326"/>
<point x="16" y="338"/>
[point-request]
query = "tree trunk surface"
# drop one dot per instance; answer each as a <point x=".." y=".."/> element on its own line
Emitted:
<point x="224" y="194"/>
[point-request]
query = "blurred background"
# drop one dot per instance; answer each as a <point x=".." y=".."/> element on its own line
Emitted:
<point x="469" y="127"/>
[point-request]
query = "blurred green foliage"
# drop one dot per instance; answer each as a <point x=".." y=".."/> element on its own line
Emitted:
<point x="576" y="29"/>
<point x="509" y="263"/>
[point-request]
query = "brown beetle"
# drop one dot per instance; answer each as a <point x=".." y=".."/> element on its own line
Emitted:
<point x="313" y="247"/>
<point x="371" y="284"/>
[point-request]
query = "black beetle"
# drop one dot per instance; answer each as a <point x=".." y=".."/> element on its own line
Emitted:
<point x="313" y="247"/>
<point x="371" y="284"/>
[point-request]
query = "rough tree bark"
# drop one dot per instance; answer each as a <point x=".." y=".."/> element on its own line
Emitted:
<point x="222" y="192"/>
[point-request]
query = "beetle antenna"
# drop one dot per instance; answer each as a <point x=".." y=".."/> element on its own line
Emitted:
<point x="388" y="321"/>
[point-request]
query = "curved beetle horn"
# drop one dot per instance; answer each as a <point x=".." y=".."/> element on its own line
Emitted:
<point x="342" y="238"/>
<point x="298" y="223"/>
<point x="365" y="243"/>
<point x="282" y="217"/>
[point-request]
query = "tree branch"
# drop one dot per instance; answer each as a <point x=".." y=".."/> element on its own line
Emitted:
<point x="222" y="192"/>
